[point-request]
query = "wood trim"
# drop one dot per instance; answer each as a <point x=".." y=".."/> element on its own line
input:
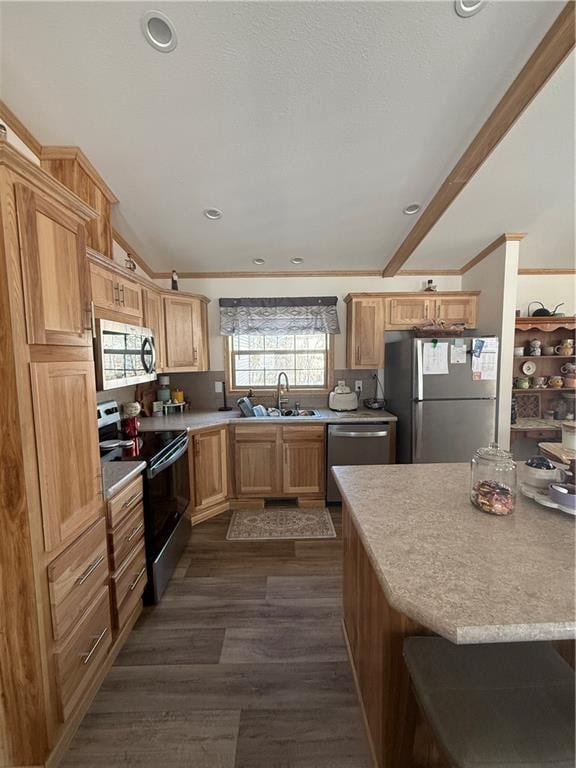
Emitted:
<point x="507" y="237"/>
<point x="559" y="271"/>
<point x="551" y="323"/>
<point x="123" y="243"/>
<point x="8" y="117"/>
<point x="550" y="53"/>
<point x="285" y="273"/>
<point x="429" y="272"/>
<point x="75" y="153"/>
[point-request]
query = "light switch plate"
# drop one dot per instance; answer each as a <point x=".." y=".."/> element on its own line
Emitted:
<point x="358" y="385"/>
<point x="217" y="386"/>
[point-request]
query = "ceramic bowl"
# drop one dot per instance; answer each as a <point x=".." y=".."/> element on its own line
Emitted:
<point x="540" y="478"/>
<point x="563" y="494"/>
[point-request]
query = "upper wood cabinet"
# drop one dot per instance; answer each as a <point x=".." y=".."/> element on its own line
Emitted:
<point x="115" y="295"/>
<point x="154" y="319"/>
<point x="68" y="454"/>
<point x="365" y="333"/>
<point x="73" y="169"/>
<point x="370" y="315"/>
<point x="186" y="334"/>
<point x="54" y="271"/>
<point x="210" y="468"/>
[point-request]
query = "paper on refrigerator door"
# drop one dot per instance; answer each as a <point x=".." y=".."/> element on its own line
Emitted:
<point x="434" y="357"/>
<point x="457" y="354"/>
<point x="485" y="359"/>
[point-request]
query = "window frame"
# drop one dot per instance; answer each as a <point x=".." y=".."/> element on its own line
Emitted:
<point x="267" y="390"/>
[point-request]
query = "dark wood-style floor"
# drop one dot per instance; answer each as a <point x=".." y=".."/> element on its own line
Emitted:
<point x="242" y="665"/>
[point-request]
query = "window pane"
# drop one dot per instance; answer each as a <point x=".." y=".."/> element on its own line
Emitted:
<point x="309" y="361"/>
<point x="314" y="341"/>
<point x="309" y="378"/>
<point x="242" y="378"/>
<point x="279" y="362"/>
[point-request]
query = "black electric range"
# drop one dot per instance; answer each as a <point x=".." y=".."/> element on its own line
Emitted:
<point x="166" y="492"/>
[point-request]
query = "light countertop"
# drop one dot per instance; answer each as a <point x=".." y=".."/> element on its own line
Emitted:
<point x="194" y="421"/>
<point x="117" y="474"/>
<point x="466" y="575"/>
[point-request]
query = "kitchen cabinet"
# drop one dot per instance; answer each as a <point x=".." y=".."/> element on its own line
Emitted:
<point x="186" y="334"/>
<point x="365" y="333"/>
<point x="73" y="169"/>
<point x="279" y="461"/>
<point x="209" y="470"/>
<point x="407" y="311"/>
<point x="115" y="294"/>
<point x="304" y="467"/>
<point x="54" y="271"/>
<point x="154" y="319"/>
<point x="67" y="445"/>
<point x="457" y="309"/>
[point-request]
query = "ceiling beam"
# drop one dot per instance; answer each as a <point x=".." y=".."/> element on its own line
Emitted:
<point x="550" y="53"/>
<point x="506" y="237"/>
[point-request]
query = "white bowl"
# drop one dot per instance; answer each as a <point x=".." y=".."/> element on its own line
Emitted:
<point x="539" y="478"/>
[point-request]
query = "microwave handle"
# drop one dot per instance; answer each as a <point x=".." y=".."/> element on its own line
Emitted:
<point x="147" y="346"/>
<point x="153" y="347"/>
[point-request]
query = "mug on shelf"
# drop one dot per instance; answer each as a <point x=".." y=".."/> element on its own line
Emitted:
<point x="548" y="414"/>
<point x="570" y="382"/>
<point x="522" y="382"/>
<point x="548" y="351"/>
<point x="556" y="382"/>
<point x="540" y="382"/>
<point x="564" y="349"/>
<point x="518" y="351"/>
<point x="569" y="369"/>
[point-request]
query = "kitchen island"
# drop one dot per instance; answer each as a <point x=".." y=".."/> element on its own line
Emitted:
<point x="420" y="559"/>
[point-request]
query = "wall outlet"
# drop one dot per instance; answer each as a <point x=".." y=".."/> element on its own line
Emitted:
<point x="358" y="385"/>
<point x="217" y="386"/>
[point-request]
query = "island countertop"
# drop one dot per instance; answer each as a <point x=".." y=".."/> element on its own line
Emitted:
<point x="466" y="575"/>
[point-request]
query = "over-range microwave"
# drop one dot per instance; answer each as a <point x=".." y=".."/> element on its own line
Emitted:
<point x="125" y="355"/>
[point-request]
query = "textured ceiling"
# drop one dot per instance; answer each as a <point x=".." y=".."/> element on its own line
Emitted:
<point x="526" y="185"/>
<point x="311" y="125"/>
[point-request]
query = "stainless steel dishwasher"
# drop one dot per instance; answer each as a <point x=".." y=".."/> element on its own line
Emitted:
<point x="354" y="444"/>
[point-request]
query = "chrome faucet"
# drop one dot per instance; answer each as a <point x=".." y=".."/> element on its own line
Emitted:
<point x="281" y="400"/>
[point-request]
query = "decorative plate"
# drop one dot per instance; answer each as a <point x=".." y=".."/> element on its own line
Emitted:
<point x="528" y="368"/>
<point x="542" y="498"/>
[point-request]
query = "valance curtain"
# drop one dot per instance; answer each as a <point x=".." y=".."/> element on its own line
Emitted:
<point x="310" y="314"/>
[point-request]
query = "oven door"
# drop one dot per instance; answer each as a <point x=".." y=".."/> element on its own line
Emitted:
<point x="167" y="497"/>
<point x="125" y="355"/>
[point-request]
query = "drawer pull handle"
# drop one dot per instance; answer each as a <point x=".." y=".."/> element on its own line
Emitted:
<point x="137" y="579"/>
<point x="134" y="531"/>
<point x="90" y="570"/>
<point x="131" y="499"/>
<point x="88" y="656"/>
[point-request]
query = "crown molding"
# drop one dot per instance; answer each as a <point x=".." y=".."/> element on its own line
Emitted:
<point x="8" y="117"/>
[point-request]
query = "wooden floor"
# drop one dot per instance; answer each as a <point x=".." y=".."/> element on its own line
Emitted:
<point x="242" y="665"/>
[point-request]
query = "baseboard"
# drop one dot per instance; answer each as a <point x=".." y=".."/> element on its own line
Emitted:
<point x="71" y="726"/>
<point x="359" y="695"/>
<point x="305" y="501"/>
<point x="247" y="503"/>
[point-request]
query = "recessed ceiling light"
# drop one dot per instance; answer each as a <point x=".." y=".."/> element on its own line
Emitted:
<point x="410" y="210"/>
<point x="259" y="261"/>
<point x="213" y="213"/>
<point x="297" y="260"/>
<point x="467" y="8"/>
<point x="159" y="31"/>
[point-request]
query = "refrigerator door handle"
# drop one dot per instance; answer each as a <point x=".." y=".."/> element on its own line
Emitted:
<point x="417" y="432"/>
<point x="419" y="374"/>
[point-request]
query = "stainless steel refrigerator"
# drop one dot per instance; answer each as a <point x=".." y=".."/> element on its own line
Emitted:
<point x="441" y="417"/>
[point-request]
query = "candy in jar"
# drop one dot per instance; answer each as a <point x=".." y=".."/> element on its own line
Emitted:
<point x="493" y="481"/>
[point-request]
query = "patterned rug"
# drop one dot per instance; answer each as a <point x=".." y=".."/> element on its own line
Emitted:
<point x="280" y="523"/>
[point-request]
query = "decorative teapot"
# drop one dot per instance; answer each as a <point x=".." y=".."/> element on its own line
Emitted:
<point x="543" y="312"/>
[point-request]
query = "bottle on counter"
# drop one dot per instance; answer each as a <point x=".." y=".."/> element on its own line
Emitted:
<point x="493" y="480"/>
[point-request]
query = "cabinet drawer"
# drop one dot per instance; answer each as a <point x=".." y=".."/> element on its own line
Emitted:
<point x="83" y="652"/>
<point x="256" y="432"/>
<point x="126" y="536"/>
<point x="75" y="577"/>
<point x="129" y="581"/>
<point x="125" y="501"/>
<point x="303" y="432"/>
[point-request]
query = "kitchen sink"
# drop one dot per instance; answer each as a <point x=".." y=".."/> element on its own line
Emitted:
<point x="307" y="413"/>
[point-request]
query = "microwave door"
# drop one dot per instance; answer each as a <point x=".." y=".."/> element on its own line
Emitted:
<point x="125" y="355"/>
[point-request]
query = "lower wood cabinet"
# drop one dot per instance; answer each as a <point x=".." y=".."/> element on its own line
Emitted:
<point x="276" y="460"/>
<point x="209" y="470"/>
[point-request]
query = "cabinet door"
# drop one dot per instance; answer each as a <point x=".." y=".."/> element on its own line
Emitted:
<point x="54" y="272"/>
<point x="64" y="403"/>
<point x="256" y="468"/>
<point x="366" y="333"/>
<point x="210" y="468"/>
<point x="183" y="329"/>
<point x="105" y="289"/>
<point x="154" y="319"/>
<point x="456" y="309"/>
<point x="303" y="471"/>
<point x="130" y="298"/>
<point x="403" y="313"/>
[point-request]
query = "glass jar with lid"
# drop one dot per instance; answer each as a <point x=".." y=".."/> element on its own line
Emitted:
<point x="493" y="481"/>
